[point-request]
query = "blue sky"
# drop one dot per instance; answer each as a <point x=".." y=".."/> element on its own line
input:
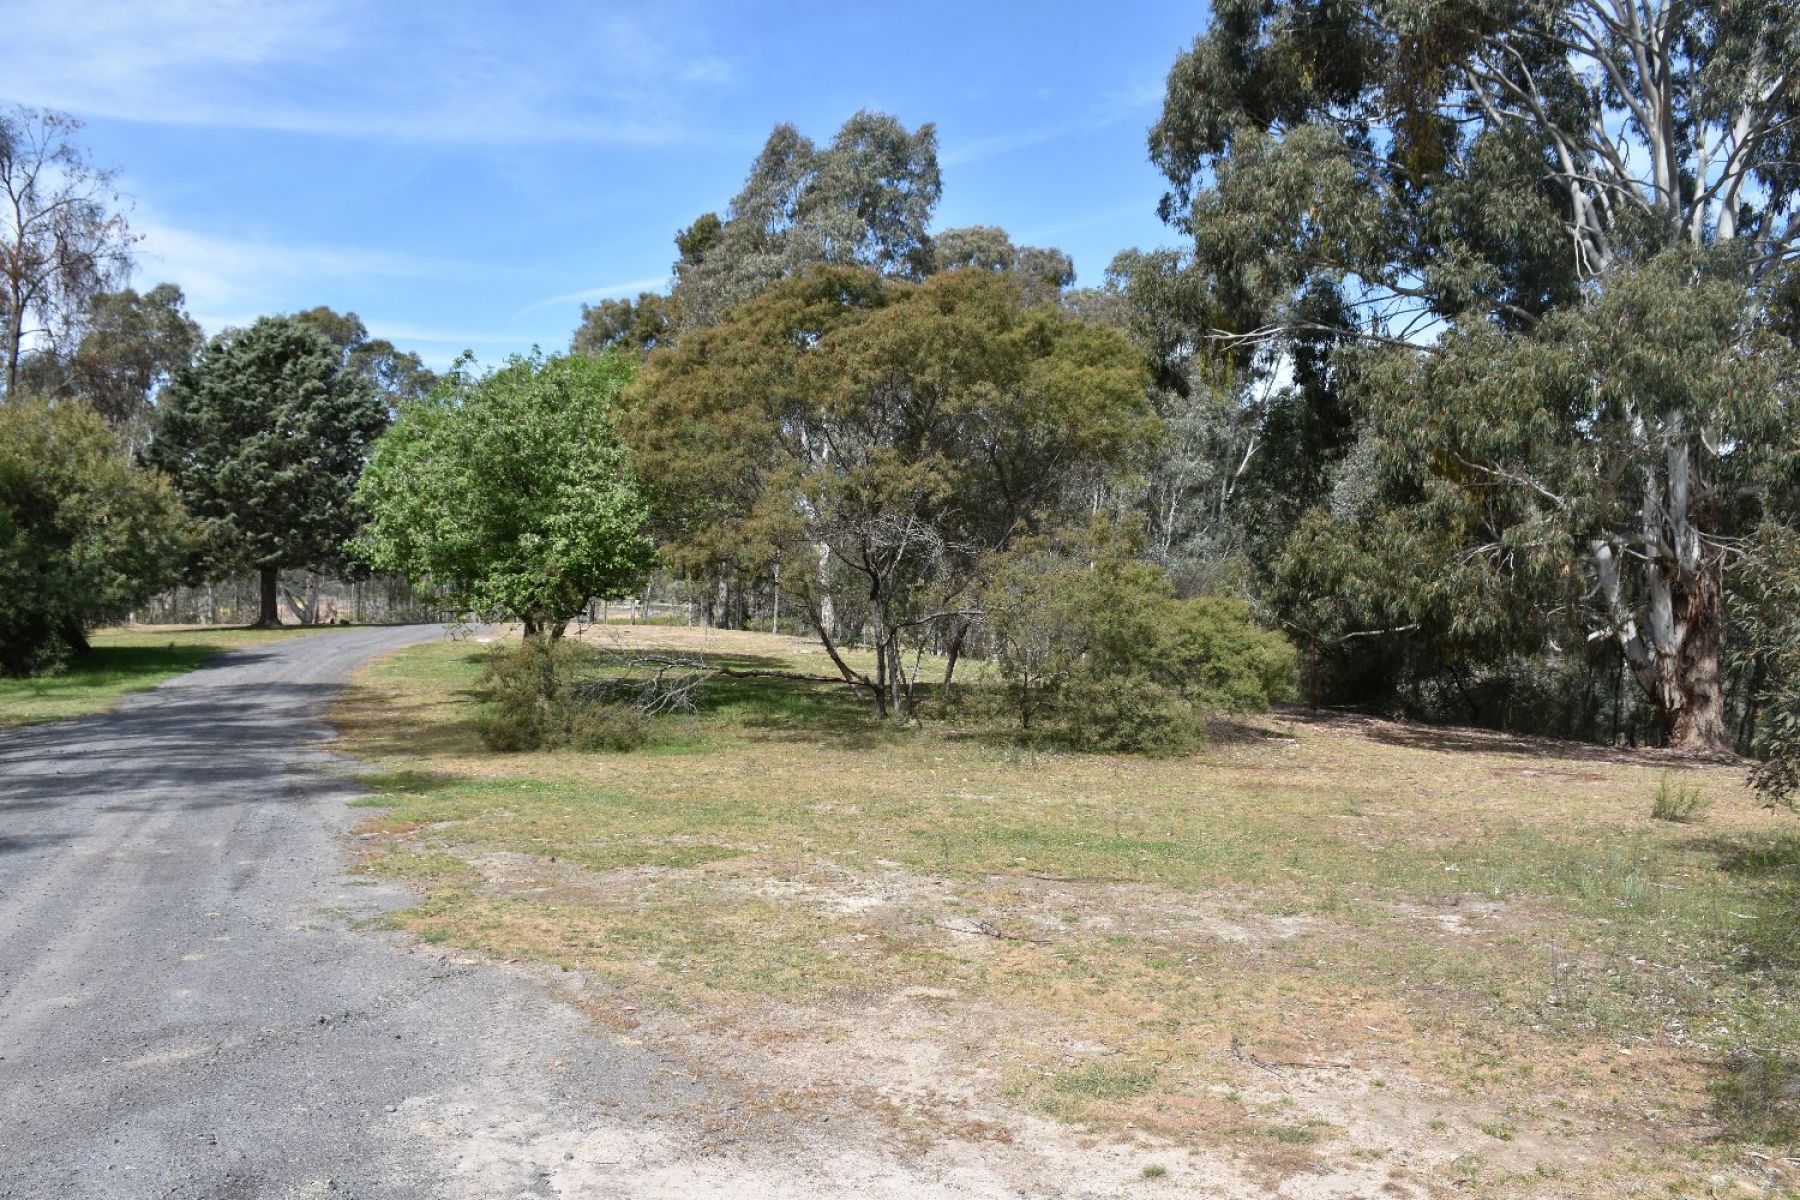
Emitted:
<point x="464" y="174"/>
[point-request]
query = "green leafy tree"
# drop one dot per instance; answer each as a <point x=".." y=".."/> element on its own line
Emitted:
<point x="265" y="436"/>
<point x="1583" y="480"/>
<point x="1416" y="168"/>
<point x="84" y="533"/>
<point x="890" y="435"/>
<point x="1434" y="160"/>
<point x="508" y="494"/>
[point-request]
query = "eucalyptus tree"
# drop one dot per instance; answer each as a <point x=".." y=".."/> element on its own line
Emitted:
<point x="63" y="240"/>
<point x="265" y="435"/>
<point x="1044" y="271"/>
<point x="397" y="375"/>
<point x="635" y="327"/>
<point x="864" y="200"/>
<point x="131" y="344"/>
<point x="912" y="430"/>
<point x="1482" y="166"/>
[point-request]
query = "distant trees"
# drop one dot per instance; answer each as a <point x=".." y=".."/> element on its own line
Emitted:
<point x="397" y="375"/>
<point x="508" y="494"/>
<point x="62" y="239"/>
<point x="633" y="327"/>
<point x="265" y="435"/>
<point x="131" y="344"/>
<point x="865" y="200"/>
<point x="1044" y="272"/>
<point x="84" y="534"/>
<point x="879" y="438"/>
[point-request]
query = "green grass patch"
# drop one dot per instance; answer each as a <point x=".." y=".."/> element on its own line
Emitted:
<point x="122" y="662"/>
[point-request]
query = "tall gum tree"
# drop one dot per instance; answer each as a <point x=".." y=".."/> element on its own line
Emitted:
<point x="62" y="239"/>
<point x="1481" y="165"/>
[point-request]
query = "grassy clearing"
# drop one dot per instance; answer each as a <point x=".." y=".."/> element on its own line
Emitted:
<point x="124" y="661"/>
<point x="1427" y="958"/>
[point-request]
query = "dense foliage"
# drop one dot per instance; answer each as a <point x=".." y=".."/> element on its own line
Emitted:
<point x="1770" y="604"/>
<point x="265" y="436"/>
<point x="536" y="700"/>
<point x="1101" y="649"/>
<point x="507" y="494"/>
<point x="877" y="438"/>
<point x="84" y="534"/>
<point x="1499" y="208"/>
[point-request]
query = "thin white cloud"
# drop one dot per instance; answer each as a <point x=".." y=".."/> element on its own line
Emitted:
<point x="1115" y="106"/>
<point x="222" y="274"/>
<point x="449" y="73"/>
<point x="608" y="291"/>
<point x="401" y="332"/>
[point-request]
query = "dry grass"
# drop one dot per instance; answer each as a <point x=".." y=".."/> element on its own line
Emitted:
<point x="1327" y="952"/>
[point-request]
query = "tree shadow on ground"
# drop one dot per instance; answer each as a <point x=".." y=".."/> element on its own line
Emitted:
<point x="1472" y="739"/>
<point x="1769" y="866"/>
<point x="362" y="716"/>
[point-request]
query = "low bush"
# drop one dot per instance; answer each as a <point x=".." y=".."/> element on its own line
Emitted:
<point x="1103" y="651"/>
<point x="1129" y="713"/>
<point x="1678" y="802"/>
<point x="534" y="702"/>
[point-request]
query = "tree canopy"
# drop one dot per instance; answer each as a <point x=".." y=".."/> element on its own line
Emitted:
<point x="84" y="533"/>
<point x="856" y="426"/>
<point x="1440" y="202"/>
<point x="864" y="200"/>
<point x="265" y="435"/>
<point x="507" y="494"/>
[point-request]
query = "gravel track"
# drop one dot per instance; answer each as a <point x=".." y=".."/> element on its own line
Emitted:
<point x="189" y="1009"/>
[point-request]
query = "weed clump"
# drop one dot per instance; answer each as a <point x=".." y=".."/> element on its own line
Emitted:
<point x="1681" y="803"/>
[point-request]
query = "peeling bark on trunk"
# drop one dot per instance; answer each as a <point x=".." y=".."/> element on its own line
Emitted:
<point x="1672" y="631"/>
<point x="1694" y="718"/>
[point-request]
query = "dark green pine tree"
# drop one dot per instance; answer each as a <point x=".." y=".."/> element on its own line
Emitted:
<point x="265" y="436"/>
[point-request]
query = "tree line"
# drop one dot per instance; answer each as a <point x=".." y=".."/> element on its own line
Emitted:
<point x="1471" y="373"/>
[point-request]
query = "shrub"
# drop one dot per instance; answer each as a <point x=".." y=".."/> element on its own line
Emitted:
<point x="609" y="727"/>
<point x="1679" y="802"/>
<point x="84" y="534"/>
<point x="535" y="703"/>
<point x="1129" y="713"/>
<point x="1104" y="650"/>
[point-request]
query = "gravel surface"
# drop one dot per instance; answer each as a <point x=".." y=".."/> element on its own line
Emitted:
<point x="189" y="1009"/>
